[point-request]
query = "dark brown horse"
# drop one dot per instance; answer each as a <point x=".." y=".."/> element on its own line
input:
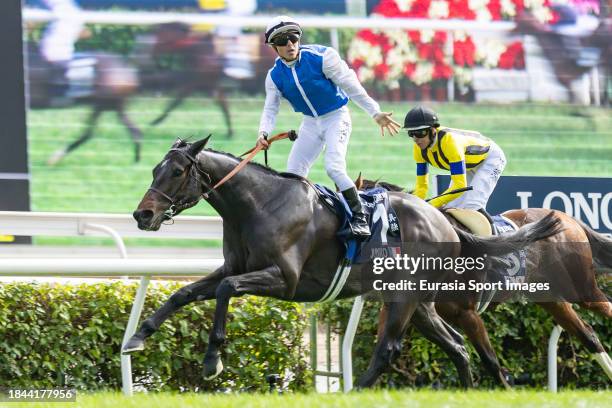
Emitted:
<point x="202" y="66"/>
<point x="567" y="259"/>
<point x="279" y="240"/>
<point x="562" y="51"/>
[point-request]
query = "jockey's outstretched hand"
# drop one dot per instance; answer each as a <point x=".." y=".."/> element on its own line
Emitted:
<point x="385" y="122"/>
<point x="261" y="141"/>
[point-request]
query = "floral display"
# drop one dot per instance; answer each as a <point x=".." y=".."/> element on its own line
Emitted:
<point x="418" y="57"/>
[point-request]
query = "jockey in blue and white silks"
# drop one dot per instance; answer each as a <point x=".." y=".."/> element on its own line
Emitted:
<point x="318" y="83"/>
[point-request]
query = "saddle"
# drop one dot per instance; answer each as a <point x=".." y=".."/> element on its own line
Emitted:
<point x="473" y="220"/>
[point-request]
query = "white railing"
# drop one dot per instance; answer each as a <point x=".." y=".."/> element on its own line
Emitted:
<point x="333" y="23"/>
<point x="116" y="226"/>
<point x="83" y="224"/>
<point x="329" y="22"/>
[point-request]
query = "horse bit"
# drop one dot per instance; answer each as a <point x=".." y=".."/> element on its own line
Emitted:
<point x="175" y="207"/>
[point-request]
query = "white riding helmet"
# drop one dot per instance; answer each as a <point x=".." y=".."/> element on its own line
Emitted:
<point x="279" y="25"/>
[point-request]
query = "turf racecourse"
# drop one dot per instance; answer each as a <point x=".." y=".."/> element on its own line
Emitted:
<point x="378" y="399"/>
<point x="100" y="176"/>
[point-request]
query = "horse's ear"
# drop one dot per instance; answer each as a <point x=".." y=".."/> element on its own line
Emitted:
<point x="359" y="182"/>
<point x="197" y="147"/>
<point x="177" y="143"/>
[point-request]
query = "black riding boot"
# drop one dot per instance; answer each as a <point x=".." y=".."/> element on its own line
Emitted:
<point x="359" y="222"/>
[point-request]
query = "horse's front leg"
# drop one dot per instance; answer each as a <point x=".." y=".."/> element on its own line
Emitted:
<point x="202" y="289"/>
<point x="266" y="282"/>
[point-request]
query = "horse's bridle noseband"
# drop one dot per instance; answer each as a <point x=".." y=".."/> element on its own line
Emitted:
<point x="174" y="206"/>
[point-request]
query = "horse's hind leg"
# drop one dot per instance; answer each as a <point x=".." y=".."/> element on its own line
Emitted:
<point x="85" y="136"/>
<point x="133" y="129"/>
<point x="566" y="316"/>
<point x="431" y="325"/>
<point x="602" y="307"/>
<point x="389" y="343"/>
<point x="202" y="289"/>
<point x="597" y="301"/>
<point x="471" y="323"/>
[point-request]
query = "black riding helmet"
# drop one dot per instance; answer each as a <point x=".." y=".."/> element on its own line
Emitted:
<point x="421" y="118"/>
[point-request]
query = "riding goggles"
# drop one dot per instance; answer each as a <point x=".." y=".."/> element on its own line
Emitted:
<point x="283" y="39"/>
<point x="419" y="134"/>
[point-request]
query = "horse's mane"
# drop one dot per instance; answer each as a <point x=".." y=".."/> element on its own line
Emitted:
<point x="180" y="143"/>
<point x="368" y="184"/>
<point x="266" y="169"/>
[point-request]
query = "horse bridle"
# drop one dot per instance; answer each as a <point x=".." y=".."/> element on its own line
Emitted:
<point x="171" y="212"/>
<point x="174" y="206"/>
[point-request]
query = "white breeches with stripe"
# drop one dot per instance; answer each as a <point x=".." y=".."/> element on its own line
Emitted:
<point x="331" y="131"/>
<point x="483" y="179"/>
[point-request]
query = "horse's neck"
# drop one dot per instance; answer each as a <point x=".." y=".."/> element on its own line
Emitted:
<point x="240" y="196"/>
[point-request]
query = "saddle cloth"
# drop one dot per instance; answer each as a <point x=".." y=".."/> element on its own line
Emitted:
<point x="509" y="268"/>
<point x="384" y="241"/>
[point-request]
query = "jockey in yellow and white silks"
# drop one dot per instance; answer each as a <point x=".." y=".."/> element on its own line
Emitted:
<point x="318" y="83"/>
<point x="472" y="159"/>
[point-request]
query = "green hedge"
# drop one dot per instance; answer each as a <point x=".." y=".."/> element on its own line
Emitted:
<point x="71" y="334"/>
<point x="519" y="333"/>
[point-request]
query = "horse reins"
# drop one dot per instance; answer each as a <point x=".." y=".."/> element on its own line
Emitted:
<point x="292" y="135"/>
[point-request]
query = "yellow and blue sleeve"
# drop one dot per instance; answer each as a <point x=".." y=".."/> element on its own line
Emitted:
<point x="456" y="160"/>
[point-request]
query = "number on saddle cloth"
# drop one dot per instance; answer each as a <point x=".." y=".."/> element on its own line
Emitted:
<point x="385" y="240"/>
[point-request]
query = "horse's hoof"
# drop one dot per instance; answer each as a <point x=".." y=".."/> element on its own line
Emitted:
<point x="133" y="344"/>
<point x="212" y="372"/>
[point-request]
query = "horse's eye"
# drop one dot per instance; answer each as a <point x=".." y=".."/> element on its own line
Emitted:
<point x="177" y="172"/>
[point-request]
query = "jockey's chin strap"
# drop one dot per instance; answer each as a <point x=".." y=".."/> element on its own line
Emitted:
<point x="292" y="135"/>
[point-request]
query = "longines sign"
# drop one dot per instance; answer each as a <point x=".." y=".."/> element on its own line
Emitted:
<point x="586" y="198"/>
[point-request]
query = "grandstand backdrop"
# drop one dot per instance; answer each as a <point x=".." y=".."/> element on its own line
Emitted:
<point x="539" y="139"/>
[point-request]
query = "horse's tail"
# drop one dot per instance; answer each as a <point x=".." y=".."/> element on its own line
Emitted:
<point x="499" y="245"/>
<point x="601" y="245"/>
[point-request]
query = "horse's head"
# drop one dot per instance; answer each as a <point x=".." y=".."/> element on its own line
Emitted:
<point x="178" y="184"/>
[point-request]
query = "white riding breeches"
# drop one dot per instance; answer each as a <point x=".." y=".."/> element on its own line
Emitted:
<point x="331" y="131"/>
<point x="483" y="179"/>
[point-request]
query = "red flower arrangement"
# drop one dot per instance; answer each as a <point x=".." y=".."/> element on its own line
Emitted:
<point x="513" y="57"/>
<point x="421" y="56"/>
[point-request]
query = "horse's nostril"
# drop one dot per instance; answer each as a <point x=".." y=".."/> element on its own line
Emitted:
<point x="143" y="215"/>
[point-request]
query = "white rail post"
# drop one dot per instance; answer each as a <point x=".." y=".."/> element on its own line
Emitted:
<point x="552" y="358"/>
<point x="126" y="360"/>
<point x="114" y="234"/>
<point x="334" y="39"/>
<point x="347" y="344"/>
